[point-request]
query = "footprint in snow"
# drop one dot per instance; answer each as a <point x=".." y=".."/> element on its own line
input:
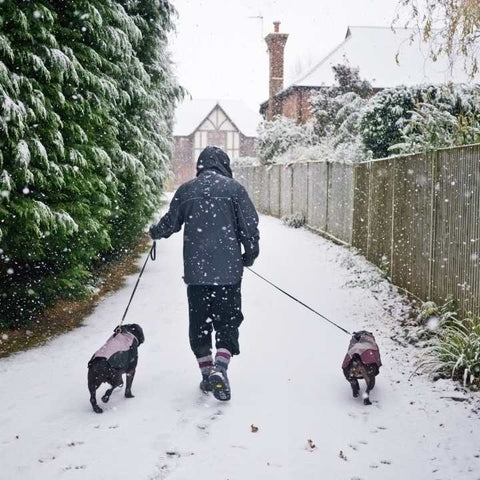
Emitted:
<point x="363" y="442"/>
<point x="217" y="414"/>
<point x="385" y="462"/>
<point x="76" y="467"/>
<point x="241" y="447"/>
<point x="74" y="444"/>
<point x="176" y="454"/>
<point x="203" y="427"/>
<point x="45" y="460"/>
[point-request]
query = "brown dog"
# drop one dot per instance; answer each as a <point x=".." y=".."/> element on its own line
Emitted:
<point x="362" y="361"/>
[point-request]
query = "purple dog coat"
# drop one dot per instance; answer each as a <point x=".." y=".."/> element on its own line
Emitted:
<point x="117" y="350"/>
<point x="366" y="348"/>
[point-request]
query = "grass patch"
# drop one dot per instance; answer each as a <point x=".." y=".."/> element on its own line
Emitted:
<point x="66" y="315"/>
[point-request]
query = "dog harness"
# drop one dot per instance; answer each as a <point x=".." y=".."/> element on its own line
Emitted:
<point x="363" y="344"/>
<point x="117" y="350"/>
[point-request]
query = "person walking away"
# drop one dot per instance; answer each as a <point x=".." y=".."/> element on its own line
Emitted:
<point x="219" y="219"/>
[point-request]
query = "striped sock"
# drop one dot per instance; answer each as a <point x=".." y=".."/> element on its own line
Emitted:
<point x="222" y="358"/>
<point x="205" y="364"/>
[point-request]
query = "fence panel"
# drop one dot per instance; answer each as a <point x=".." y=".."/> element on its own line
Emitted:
<point x="240" y="174"/>
<point x="380" y="207"/>
<point x="256" y="185"/>
<point x="247" y="177"/>
<point x="412" y="225"/>
<point x="317" y="196"/>
<point x="274" y="190"/>
<point x="286" y="187"/>
<point x="340" y="201"/>
<point x="360" y="206"/>
<point x="456" y="270"/>
<point x="300" y="189"/>
<point x="261" y="189"/>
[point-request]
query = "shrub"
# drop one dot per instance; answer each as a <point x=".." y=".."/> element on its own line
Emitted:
<point x="455" y="352"/>
<point x="279" y="135"/>
<point x="294" y="220"/>
<point x="411" y="119"/>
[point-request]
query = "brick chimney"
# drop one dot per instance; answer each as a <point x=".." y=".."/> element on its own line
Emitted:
<point x="276" y="44"/>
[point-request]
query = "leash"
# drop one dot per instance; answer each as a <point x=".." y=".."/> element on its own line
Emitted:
<point x="151" y="254"/>
<point x="299" y="301"/>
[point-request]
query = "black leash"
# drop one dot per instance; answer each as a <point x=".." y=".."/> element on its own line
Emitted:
<point x="300" y="302"/>
<point x="151" y="254"/>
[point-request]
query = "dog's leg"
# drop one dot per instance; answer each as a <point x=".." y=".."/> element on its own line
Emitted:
<point x="370" y="381"/>
<point x="116" y="381"/>
<point x="355" y="387"/>
<point x="93" y="384"/>
<point x="128" y="388"/>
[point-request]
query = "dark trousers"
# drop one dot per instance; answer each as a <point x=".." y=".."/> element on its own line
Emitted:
<point x="216" y="307"/>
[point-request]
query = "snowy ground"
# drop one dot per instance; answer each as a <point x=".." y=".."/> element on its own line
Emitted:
<point x="287" y="382"/>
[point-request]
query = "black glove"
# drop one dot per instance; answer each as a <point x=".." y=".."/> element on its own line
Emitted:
<point x="247" y="260"/>
<point x="151" y="231"/>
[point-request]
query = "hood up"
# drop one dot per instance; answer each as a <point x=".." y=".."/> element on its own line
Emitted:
<point x="214" y="158"/>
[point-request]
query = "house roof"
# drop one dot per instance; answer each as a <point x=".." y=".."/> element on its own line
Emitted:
<point x="190" y="114"/>
<point x="386" y="57"/>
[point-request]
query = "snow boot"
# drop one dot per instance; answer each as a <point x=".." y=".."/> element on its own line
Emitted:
<point x="219" y="383"/>
<point x="205" y="385"/>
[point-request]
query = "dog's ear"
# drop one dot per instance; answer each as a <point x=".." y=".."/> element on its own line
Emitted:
<point x="138" y="332"/>
<point x="141" y="336"/>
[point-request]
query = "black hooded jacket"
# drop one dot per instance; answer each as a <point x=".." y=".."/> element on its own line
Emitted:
<point x="219" y="217"/>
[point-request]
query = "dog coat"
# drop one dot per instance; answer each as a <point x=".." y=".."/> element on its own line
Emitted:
<point x="118" y="350"/>
<point x="366" y="348"/>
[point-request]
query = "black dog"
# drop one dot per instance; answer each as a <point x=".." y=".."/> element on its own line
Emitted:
<point x="119" y="355"/>
<point x="362" y="361"/>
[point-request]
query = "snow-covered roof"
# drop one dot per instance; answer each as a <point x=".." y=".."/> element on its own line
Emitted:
<point x="386" y="58"/>
<point x="190" y="114"/>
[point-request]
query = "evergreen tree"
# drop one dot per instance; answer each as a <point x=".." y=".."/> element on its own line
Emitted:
<point x="86" y="101"/>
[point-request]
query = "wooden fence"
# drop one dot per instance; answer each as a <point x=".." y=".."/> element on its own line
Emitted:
<point x="417" y="216"/>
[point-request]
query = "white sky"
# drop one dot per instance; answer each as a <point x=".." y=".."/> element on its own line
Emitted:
<point x="220" y="52"/>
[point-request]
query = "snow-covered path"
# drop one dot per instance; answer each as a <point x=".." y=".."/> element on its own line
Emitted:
<point x="287" y="382"/>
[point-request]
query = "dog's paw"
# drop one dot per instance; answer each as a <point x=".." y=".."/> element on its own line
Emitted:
<point x="105" y="398"/>
<point x="97" y="409"/>
<point x="366" y="401"/>
<point x="355" y="394"/>
<point x="129" y="395"/>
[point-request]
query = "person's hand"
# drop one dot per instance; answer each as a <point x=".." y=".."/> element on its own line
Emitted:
<point x="247" y="260"/>
<point x="151" y="231"/>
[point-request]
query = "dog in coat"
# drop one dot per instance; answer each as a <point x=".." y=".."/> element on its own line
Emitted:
<point x="119" y="355"/>
<point x="362" y="361"/>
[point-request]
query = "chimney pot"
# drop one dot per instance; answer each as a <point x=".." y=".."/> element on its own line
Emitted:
<point x="276" y="26"/>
